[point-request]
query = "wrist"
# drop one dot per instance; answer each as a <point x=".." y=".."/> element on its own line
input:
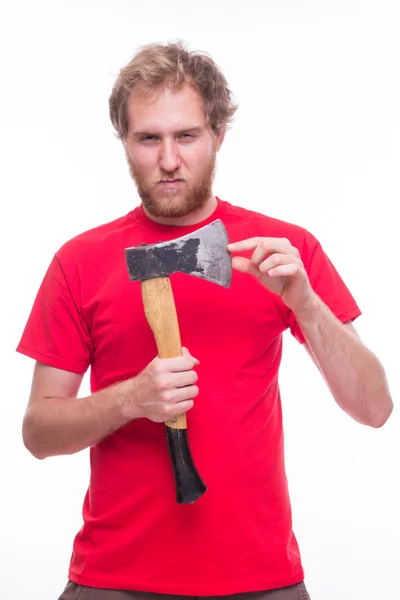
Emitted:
<point x="311" y="311"/>
<point x="127" y="400"/>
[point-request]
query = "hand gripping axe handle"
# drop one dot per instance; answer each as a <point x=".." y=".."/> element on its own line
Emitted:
<point x="203" y="254"/>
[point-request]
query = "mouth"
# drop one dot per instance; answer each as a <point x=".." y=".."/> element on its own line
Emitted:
<point x="170" y="183"/>
<point x="170" y="180"/>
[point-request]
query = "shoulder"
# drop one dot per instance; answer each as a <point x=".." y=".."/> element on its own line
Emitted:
<point x="90" y="257"/>
<point x="91" y="241"/>
<point x="242" y="222"/>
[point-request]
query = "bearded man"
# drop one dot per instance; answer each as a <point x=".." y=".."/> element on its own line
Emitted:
<point x="171" y="108"/>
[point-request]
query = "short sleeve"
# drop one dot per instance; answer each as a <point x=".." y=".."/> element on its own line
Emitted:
<point x="55" y="332"/>
<point x="327" y="283"/>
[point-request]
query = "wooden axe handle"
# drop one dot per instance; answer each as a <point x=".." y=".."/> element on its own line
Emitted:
<point x="160" y="311"/>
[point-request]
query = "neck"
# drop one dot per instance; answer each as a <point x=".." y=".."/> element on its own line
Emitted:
<point x="192" y="218"/>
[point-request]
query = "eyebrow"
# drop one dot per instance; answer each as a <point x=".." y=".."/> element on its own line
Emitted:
<point x="195" y="129"/>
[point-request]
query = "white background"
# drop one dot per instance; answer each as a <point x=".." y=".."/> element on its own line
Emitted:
<point x="316" y="142"/>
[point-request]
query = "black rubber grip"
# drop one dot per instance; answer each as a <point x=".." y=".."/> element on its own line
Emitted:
<point x="188" y="483"/>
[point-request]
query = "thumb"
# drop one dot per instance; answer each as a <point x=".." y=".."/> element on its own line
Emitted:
<point x="185" y="352"/>
<point x="244" y="265"/>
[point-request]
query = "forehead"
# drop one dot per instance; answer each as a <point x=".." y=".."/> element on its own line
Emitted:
<point x="166" y="109"/>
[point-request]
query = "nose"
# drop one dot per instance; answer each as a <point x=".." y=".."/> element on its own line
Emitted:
<point x="170" y="160"/>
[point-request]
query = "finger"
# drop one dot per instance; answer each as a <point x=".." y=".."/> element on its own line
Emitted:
<point x="185" y="352"/>
<point x="268" y="244"/>
<point x="182" y="379"/>
<point x="244" y="245"/>
<point x="186" y="393"/>
<point x="285" y="270"/>
<point x="276" y="260"/>
<point x="244" y="265"/>
<point x="177" y="364"/>
<point x="181" y="408"/>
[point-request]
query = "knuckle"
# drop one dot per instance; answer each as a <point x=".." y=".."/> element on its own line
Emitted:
<point x="185" y="362"/>
<point x="166" y="413"/>
<point x="298" y="262"/>
<point x="156" y="368"/>
<point x="169" y="410"/>
<point x="188" y="362"/>
<point x="165" y="396"/>
<point x="160" y="384"/>
<point x="184" y="406"/>
<point x="180" y="408"/>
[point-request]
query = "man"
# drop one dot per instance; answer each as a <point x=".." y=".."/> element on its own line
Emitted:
<point x="170" y="109"/>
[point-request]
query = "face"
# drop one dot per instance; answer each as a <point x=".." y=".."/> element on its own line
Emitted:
<point x="171" y="151"/>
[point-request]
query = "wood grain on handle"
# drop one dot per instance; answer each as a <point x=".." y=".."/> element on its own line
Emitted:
<point x="160" y="311"/>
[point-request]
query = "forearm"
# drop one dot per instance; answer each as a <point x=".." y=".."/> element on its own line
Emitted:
<point x="352" y="372"/>
<point x="56" y="426"/>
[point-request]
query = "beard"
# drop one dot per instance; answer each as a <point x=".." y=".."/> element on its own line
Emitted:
<point x="175" y="203"/>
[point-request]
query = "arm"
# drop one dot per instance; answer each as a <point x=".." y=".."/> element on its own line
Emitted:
<point x="57" y="422"/>
<point x="352" y="372"/>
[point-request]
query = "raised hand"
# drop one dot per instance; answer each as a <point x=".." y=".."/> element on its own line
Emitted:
<point x="278" y="266"/>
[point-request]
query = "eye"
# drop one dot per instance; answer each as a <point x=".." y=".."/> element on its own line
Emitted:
<point x="148" y="138"/>
<point x="187" y="137"/>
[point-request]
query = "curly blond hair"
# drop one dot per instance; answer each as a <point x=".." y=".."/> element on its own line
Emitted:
<point x="156" y="66"/>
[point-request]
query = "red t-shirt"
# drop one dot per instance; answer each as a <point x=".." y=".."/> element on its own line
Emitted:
<point x="238" y="536"/>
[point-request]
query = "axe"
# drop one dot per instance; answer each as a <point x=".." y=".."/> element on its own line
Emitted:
<point x="202" y="253"/>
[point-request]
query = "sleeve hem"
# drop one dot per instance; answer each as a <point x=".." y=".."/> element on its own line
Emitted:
<point x="53" y="361"/>
<point x="349" y="315"/>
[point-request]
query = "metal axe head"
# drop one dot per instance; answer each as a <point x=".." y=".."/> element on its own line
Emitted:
<point x="202" y="253"/>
